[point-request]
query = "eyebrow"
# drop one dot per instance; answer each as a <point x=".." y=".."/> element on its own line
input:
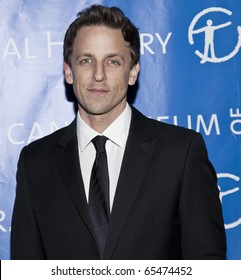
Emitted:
<point x="116" y="55"/>
<point x="110" y="55"/>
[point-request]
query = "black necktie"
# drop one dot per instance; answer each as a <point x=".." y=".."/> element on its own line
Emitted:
<point x="99" y="193"/>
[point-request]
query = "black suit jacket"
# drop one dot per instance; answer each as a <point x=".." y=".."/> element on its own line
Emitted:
<point x="166" y="204"/>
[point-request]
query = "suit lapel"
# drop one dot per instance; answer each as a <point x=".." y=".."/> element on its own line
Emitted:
<point x="69" y="167"/>
<point x="139" y="149"/>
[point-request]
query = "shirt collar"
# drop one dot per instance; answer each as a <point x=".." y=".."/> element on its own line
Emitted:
<point x="117" y="132"/>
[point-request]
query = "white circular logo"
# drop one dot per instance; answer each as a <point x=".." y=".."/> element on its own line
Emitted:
<point x="236" y="222"/>
<point x="209" y="30"/>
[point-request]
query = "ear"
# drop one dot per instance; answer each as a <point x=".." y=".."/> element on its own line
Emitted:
<point x="134" y="74"/>
<point x="68" y="73"/>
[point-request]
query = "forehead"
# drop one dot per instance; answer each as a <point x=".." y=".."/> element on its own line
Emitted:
<point x="100" y="39"/>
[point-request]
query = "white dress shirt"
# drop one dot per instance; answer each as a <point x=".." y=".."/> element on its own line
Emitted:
<point x="117" y="134"/>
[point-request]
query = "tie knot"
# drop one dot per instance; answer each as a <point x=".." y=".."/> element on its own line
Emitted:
<point x="99" y="143"/>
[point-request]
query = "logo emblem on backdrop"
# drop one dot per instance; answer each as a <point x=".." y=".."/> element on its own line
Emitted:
<point x="209" y="31"/>
<point x="230" y="192"/>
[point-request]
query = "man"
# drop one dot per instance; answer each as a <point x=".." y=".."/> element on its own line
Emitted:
<point x="159" y="198"/>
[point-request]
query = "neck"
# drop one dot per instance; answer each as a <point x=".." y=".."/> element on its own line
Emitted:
<point x="100" y="122"/>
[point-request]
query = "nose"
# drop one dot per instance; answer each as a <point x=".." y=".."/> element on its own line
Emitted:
<point x="99" y="72"/>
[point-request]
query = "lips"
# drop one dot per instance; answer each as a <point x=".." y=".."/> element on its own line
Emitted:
<point x="98" y="91"/>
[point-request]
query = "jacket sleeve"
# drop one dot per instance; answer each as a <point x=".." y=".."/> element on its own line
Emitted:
<point x="26" y="240"/>
<point x="202" y="225"/>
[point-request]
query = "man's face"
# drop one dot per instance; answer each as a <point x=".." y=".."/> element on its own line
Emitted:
<point x="100" y="71"/>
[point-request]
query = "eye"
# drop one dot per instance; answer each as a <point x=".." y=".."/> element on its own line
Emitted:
<point x="113" y="62"/>
<point x="86" y="61"/>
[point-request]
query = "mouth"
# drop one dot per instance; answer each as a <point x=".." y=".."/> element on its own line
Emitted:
<point x="98" y="91"/>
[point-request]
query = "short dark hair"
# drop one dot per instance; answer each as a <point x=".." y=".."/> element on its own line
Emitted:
<point x="111" y="17"/>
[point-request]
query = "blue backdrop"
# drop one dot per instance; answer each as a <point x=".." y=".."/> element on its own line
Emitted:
<point x="190" y="76"/>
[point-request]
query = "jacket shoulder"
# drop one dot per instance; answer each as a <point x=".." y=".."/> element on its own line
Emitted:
<point x="158" y="128"/>
<point x="60" y="137"/>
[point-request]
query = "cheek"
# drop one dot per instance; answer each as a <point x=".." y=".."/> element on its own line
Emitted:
<point x="121" y="78"/>
<point x="120" y="84"/>
<point x="121" y="88"/>
<point x="79" y="79"/>
<point x="77" y="84"/>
